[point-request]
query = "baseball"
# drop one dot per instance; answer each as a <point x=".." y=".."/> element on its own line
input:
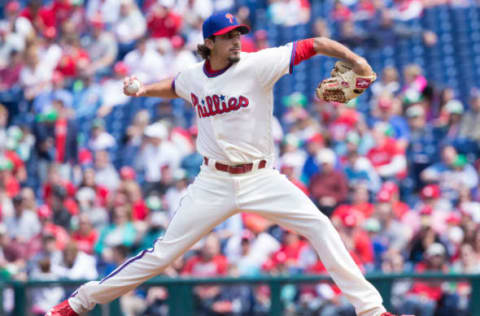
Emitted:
<point x="133" y="86"/>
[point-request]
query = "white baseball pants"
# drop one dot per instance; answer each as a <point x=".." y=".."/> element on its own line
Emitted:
<point x="212" y="198"/>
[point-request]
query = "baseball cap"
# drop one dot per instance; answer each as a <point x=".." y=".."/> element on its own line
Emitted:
<point x="454" y="107"/>
<point x="384" y="196"/>
<point x="430" y="191"/>
<point x="128" y="173"/>
<point x="222" y="23"/>
<point x="326" y="155"/>
<point x="426" y="210"/>
<point x="435" y="249"/>
<point x="415" y="111"/>
<point x="156" y="130"/>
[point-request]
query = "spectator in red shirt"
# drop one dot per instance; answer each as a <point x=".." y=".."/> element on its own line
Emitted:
<point x="208" y="263"/>
<point x="7" y="181"/>
<point x="356" y="239"/>
<point x="424" y="296"/>
<point x="387" y="157"/>
<point x="61" y="10"/>
<point x="10" y="75"/>
<point x="85" y="236"/>
<point x="74" y="60"/>
<point x="289" y="252"/>
<point x="163" y="22"/>
<point x="40" y="17"/>
<point x="289" y="172"/>
<point x="328" y="187"/>
<point x="341" y="12"/>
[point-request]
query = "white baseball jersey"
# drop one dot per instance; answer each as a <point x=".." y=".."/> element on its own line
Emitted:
<point x="234" y="106"/>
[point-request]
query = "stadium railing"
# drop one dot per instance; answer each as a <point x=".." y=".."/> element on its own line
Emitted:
<point x="181" y="301"/>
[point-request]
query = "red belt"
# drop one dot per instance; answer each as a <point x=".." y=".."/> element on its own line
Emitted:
<point x="237" y="169"/>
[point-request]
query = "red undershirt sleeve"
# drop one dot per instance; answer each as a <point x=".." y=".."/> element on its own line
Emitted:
<point x="303" y="50"/>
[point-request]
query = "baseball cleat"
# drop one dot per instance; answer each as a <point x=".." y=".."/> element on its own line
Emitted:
<point x="62" y="309"/>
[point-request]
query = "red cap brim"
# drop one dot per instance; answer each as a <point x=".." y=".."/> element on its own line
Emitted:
<point x="244" y="29"/>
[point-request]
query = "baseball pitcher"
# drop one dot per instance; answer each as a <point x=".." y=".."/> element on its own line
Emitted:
<point x="232" y="95"/>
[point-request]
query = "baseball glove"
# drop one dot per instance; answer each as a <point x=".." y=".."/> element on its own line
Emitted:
<point x="344" y="84"/>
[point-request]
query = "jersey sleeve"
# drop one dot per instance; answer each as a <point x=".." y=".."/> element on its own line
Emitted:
<point x="272" y="63"/>
<point x="180" y="86"/>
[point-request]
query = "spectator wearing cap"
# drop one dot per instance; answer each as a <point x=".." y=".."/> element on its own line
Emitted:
<point x="14" y="31"/>
<point x="11" y="150"/>
<point x="328" y="187"/>
<point x="35" y="77"/>
<point x="40" y="16"/>
<point x="8" y="182"/>
<point x="121" y="230"/>
<point x="314" y="144"/>
<point x="57" y="91"/>
<point x="388" y="82"/>
<point x="467" y="206"/>
<point x="470" y="125"/>
<point x="134" y="136"/>
<point x="156" y="152"/>
<point x="107" y="11"/>
<point x="10" y="75"/>
<point x="239" y="252"/>
<point x="57" y="137"/>
<point x="422" y="148"/>
<point x="43" y="298"/>
<point x="358" y="168"/>
<point x="192" y="162"/>
<point x="162" y="21"/>
<point x="387" y="156"/>
<point x="61" y="215"/>
<point x="92" y="198"/>
<point x="61" y="10"/>
<point x="176" y="192"/>
<point x="356" y="238"/>
<point x="345" y="119"/>
<point x="85" y="236"/>
<point x="360" y="205"/>
<point x="424" y="296"/>
<point x="102" y="49"/>
<point x="178" y="56"/>
<point x="393" y="234"/>
<point x="100" y="139"/>
<point x="147" y="62"/>
<point x="450" y="132"/>
<point x="75" y="58"/>
<point x="59" y="233"/>
<point x="435" y="206"/>
<point x="110" y="87"/>
<point x="24" y="224"/>
<point x="157" y="224"/>
<point x="451" y="173"/>
<point x="388" y="111"/>
<point x="390" y="193"/>
<point x="209" y="262"/>
<point x="87" y="97"/>
<point x="130" y="26"/>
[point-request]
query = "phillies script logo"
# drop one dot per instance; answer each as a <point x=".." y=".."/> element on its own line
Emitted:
<point x="213" y="105"/>
<point x="362" y="83"/>
<point x="229" y="17"/>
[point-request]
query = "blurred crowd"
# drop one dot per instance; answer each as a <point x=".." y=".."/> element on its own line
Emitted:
<point x="89" y="176"/>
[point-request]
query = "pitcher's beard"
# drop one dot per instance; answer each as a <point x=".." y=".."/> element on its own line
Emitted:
<point x="234" y="59"/>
